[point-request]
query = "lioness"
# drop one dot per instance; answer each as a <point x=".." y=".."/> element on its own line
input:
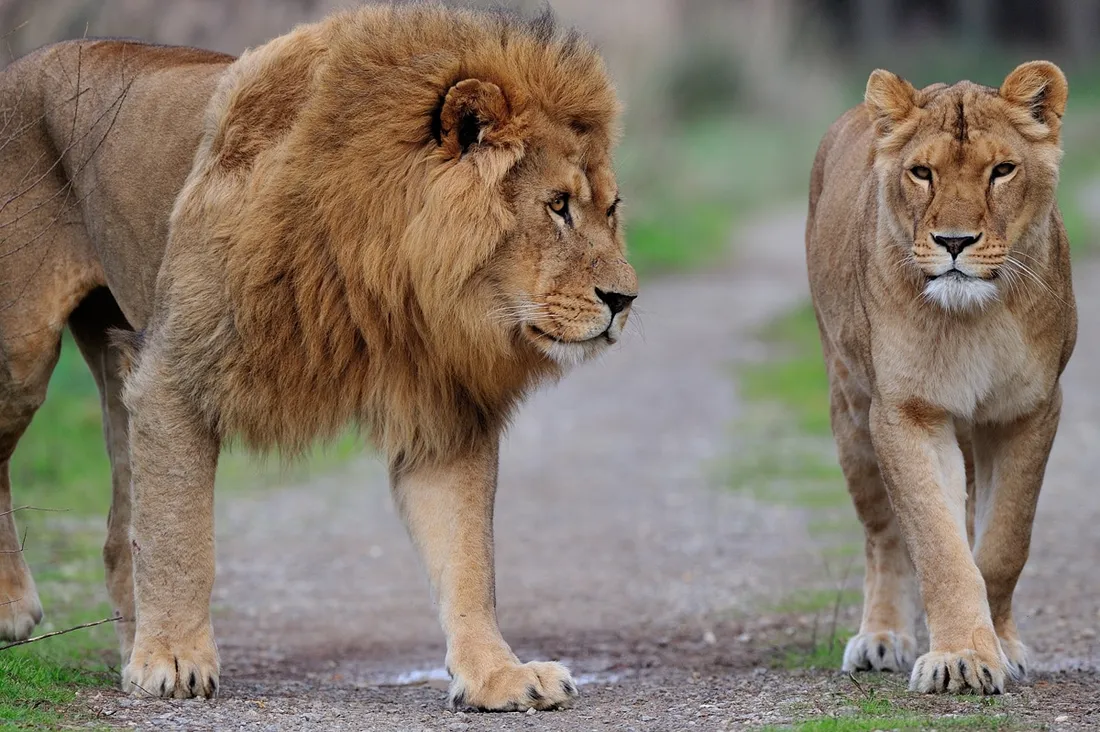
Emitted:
<point x="404" y="217"/>
<point x="940" y="275"/>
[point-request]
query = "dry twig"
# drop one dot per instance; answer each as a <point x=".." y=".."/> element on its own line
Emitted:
<point x="60" y="632"/>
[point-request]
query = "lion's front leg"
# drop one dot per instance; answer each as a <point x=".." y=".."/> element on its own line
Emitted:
<point x="449" y="512"/>
<point x="925" y="476"/>
<point x="1010" y="462"/>
<point x="173" y="460"/>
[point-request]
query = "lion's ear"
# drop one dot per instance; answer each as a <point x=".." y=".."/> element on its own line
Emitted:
<point x="471" y="109"/>
<point x="889" y="99"/>
<point x="1041" y="88"/>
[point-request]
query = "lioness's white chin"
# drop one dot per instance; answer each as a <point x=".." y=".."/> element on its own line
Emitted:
<point x="956" y="292"/>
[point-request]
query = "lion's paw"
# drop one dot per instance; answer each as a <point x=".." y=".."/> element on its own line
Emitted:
<point x="884" y="651"/>
<point x="19" y="615"/>
<point x="515" y="688"/>
<point x="964" y="672"/>
<point x="181" y="671"/>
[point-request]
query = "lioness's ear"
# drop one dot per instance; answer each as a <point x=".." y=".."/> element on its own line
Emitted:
<point x="470" y="110"/>
<point x="1041" y="88"/>
<point x="890" y="99"/>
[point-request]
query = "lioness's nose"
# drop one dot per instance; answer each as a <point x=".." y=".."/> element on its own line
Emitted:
<point x="955" y="244"/>
<point x="615" y="300"/>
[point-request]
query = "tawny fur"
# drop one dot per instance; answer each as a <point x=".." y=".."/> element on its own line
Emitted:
<point x="401" y="217"/>
<point x="938" y="393"/>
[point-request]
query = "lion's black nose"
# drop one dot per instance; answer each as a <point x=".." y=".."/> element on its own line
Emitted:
<point x="615" y="300"/>
<point x="955" y="244"/>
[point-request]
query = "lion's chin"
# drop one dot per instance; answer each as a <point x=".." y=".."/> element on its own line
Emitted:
<point x="958" y="292"/>
<point x="566" y="353"/>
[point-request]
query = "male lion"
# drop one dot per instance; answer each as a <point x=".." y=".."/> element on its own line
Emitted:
<point x="404" y="217"/>
<point x="940" y="275"/>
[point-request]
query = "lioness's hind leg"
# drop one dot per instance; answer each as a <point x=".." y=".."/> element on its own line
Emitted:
<point x="886" y="639"/>
<point x="91" y="323"/>
<point x="1010" y="461"/>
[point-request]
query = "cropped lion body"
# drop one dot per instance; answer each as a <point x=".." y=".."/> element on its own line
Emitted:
<point x="939" y="269"/>
<point x="400" y="217"/>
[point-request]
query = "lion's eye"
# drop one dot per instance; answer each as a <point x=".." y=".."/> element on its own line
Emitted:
<point x="611" y="211"/>
<point x="921" y="172"/>
<point x="1002" y="170"/>
<point x="559" y="204"/>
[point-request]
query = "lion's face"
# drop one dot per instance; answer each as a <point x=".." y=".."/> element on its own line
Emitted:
<point x="568" y="285"/>
<point x="966" y="171"/>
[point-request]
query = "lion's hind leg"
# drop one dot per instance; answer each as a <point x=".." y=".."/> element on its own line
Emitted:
<point x="886" y="640"/>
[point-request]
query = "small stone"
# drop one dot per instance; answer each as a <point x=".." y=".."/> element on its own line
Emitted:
<point x="744" y="638"/>
<point x="532" y="711"/>
<point x="709" y="638"/>
<point x="1062" y="718"/>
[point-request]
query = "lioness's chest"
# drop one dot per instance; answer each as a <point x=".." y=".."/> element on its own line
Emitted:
<point x="981" y="372"/>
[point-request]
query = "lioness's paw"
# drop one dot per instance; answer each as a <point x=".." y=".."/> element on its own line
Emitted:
<point x="20" y="611"/>
<point x="515" y="688"/>
<point x="957" y="673"/>
<point x="1017" y="655"/>
<point x="884" y="651"/>
<point x="182" y="671"/>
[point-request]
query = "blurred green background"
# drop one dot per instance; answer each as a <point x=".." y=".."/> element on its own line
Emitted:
<point x="725" y="103"/>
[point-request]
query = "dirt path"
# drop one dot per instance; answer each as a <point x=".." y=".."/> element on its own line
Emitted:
<point x="617" y="551"/>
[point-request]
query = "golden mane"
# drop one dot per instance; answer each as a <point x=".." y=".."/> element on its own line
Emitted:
<point x="346" y="229"/>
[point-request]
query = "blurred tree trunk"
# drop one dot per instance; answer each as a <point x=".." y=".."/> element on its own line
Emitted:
<point x="874" y="22"/>
<point x="1079" y="23"/>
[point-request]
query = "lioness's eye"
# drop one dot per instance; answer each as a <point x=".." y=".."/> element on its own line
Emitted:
<point x="1002" y="170"/>
<point x="559" y="204"/>
<point x="921" y="172"/>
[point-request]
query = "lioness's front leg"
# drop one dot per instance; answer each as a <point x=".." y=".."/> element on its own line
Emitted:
<point x="926" y="478"/>
<point x="449" y="512"/>
<point x="1010" y="462"/>
<point x="173" y="460"/>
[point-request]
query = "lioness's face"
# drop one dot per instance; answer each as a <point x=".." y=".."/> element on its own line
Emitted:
<point x="966" y="171"/>
<point x="564" y="269"/>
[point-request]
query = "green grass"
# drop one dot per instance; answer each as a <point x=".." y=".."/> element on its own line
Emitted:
<point x="871" y="723"/>
<point x="873" y="712"/>
<point x="38" y="682"/>
<point x="34" y="688"/>
<point x="796" y="378"/>
<point x="880" y="702"/>
<point x="687" y="189"/>
<point x="789" y="458"/>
